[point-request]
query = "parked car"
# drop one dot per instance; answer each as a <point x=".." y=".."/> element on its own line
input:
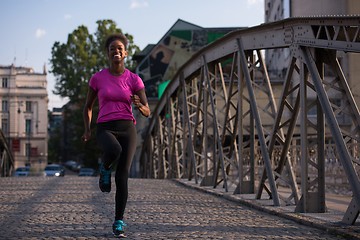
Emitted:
<point x="70" y="164"/>
<point x="54" y="170"/>
<point x="87" y="172"/>
<point x="73" y="166"/>
<point x="22" y="172"/>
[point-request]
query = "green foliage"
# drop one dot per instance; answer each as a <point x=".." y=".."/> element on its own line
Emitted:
<point x="73" y="63"/>
<point x="85" y="153"/>
<point x="54" y="145"/>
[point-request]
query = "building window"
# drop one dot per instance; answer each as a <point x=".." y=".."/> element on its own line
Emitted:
<point x="4" y="125"/>
<point x="28" y="106"/>
<point x="4" y="82"/>
<point x="28" y="149"/>
<point x="4" y="106"/>
<point x="28" y="126"/>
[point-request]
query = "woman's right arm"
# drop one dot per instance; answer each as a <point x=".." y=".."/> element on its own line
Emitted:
<point x="87" y="113"/>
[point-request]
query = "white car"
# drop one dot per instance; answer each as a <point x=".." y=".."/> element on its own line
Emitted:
<point x="54" y="170"/>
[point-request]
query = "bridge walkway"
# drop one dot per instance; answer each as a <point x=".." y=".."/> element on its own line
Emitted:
<point x="73" y="208"/>
<point x="330" y="221"/>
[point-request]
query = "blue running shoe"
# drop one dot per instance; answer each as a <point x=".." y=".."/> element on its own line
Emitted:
<point x="105" y="179"/>
<point x="118" y="229"/>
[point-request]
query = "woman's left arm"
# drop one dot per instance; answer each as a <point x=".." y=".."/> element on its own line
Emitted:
<point x="140" y="102"/>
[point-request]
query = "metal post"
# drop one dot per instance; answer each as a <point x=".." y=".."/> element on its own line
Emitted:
<point x="304" y="140"/>
<point x="334" y="127"/>
<point x="320" y="144"/>
<point x="217" y="135"/>
<point x="187" y="121"/>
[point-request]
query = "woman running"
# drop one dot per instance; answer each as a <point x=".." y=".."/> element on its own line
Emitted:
<point x="116" y="88"/>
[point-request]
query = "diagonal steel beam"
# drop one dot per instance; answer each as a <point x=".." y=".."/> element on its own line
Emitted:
<point x="187" y="121"/>
<point x="284" y="159"/>
<point x="259" y="128"/>
<point x="218" y="141"/>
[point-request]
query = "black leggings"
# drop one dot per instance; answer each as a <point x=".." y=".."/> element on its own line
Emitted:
<point x="117" y="139"/>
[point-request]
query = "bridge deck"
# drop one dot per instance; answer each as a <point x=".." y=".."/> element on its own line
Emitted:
<point x="74" y="208"/>
<point x="329" y="221"/>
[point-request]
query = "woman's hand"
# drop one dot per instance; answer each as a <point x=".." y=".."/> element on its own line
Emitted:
<point x="87" y="113"/>
<point x="135" y="100"/>
<point x="140" y="102"/>
<point x="86" y="137"/>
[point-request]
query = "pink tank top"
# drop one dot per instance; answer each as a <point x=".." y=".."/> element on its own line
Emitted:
<point x="114" y="94"/>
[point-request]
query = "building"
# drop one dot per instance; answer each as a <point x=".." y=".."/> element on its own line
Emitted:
<point x="55" y="120"/>
<point x="55" y="133"/>
<point x="158" y="63"/>
<point x="277" y="60"/>
<point x="24" y="116"/>
<point x="280" y="9"/>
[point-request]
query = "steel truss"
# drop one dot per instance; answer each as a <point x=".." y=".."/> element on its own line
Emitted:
<point x="218" y="119"/>
<point x="7" y="159"/>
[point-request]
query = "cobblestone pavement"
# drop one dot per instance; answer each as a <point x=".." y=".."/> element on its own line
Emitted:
<point x="74" y="208"/>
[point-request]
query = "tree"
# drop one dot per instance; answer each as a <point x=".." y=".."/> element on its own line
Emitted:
<point x="54" y="142"/>
<point x="73" y="63"/>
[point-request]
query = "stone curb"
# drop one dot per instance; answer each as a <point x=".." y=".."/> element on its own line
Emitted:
<point x="343" y="232"/>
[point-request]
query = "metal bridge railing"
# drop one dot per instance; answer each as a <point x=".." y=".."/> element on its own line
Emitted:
<point x="222" y="114"/>
<point x="6" y="158"/>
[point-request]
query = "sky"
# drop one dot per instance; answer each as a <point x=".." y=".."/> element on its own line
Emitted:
<point x="29" y="28"/>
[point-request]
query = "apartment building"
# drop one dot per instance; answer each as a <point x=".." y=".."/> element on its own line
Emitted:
<point x="24" y="120"/>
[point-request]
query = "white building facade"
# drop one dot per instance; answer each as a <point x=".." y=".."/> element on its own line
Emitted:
<point x="24" y="114"/>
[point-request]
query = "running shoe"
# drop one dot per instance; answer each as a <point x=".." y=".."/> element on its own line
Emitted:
<point x="105" y="179"/>
<point x="118" y="229"/>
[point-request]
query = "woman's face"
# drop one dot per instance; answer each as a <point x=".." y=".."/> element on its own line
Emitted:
<point x="117" y="51"/>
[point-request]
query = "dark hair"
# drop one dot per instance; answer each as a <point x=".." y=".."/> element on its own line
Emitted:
<point x="113" y="37"/>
